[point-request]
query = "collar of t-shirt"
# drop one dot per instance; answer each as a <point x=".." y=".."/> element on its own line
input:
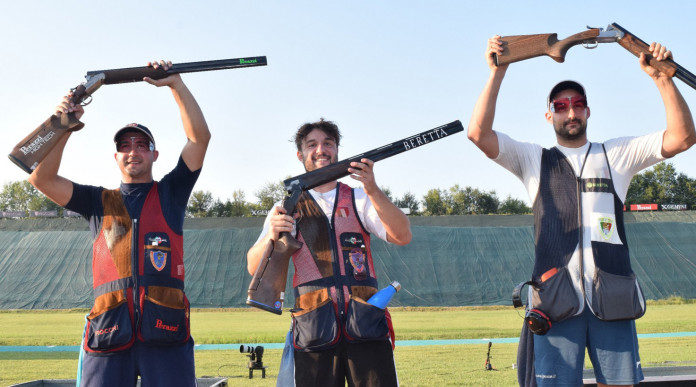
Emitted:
<point x="134" y="197"/>
<point x="576" y="156"/>
<point x="325" y="200"/>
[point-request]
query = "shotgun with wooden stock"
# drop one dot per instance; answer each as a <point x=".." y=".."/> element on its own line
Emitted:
<point x="267" y="287"/>
<point x="29" y="152"/>
<point x="521" y="47"/>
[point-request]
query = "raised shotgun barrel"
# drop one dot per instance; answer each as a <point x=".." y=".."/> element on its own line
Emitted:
<point x="136" y="74"/>
<point x="267" y="287"/>
<point x="29" y="152"/>
<point x="635" y="45"/>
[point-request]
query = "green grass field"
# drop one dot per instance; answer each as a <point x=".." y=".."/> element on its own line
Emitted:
<point x="435" y="365"/>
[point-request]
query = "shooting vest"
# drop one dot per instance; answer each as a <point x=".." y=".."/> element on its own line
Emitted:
<point x="138" y="279"/>
<point x="334" y="275"/>
<point x="568" y="211"/>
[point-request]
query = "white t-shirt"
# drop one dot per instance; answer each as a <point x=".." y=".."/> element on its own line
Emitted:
<point x="366" y="212"/>
<point x="627" y="156"/>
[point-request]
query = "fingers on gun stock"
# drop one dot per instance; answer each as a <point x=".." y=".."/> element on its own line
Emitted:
<point x="661" y="61"/>
<point x="494" y="51"/>
<point x="281" y="222"/>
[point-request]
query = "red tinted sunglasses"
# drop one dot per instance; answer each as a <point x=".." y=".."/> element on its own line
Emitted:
<point x="562" y="105"/>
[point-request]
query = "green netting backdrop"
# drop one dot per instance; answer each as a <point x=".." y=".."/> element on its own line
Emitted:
<point x="452" y="261"/>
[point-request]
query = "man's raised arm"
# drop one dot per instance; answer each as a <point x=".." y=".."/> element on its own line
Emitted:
<point x="680" y="134"/>
<point x="481" y="124"/>
<point x="195" y="126"/>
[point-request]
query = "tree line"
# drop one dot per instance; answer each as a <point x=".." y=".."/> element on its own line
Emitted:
<point x="661" y="184"/>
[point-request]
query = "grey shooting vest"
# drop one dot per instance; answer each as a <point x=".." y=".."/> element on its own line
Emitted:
<point x="581" y="251"/>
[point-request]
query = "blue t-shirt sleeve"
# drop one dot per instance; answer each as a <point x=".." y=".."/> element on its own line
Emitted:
<point x="86" y="200"/>
<point x="174" y="190"/>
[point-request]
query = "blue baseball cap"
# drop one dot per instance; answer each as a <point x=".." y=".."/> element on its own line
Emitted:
<point x="134" y="127"/>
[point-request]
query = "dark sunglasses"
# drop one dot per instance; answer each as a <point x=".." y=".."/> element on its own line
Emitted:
<point x="562" y="105"/>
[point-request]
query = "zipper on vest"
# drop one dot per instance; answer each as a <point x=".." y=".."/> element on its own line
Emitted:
<point x="581" y="224"/>
<point x="337" y="270"/>
<point x="581" y="239"/>
<point x="135" y="267"/>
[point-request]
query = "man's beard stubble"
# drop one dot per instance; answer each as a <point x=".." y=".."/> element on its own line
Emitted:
<point x="565" y="134"/>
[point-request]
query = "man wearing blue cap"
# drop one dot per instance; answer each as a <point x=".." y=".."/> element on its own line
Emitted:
<point x="139" y="324"/>
<point x="584" y="294"/>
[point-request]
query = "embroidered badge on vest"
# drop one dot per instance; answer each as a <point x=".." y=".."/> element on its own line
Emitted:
<point x="357" y="260"/>
<point x="606" y="227"/>
<point x="158" y="259"/>
<point x="343" y="212"/>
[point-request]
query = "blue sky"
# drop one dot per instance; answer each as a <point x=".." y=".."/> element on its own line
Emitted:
<point x="381" y="70"/>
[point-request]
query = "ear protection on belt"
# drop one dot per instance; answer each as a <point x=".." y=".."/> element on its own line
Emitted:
<point x="535" y="319"/>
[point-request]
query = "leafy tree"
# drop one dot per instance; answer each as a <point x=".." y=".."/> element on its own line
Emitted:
<point x="685" y="191"/>
<point x="409" y="201"/>
<point x="512" y="206"/>
<point x="458" y="201"/>
<point x="468" y="200"/>
<point x="238" y="206"/>
<point x="22" y="196"/>
<point x="485" y="202"/>
<point x="434" y="202"/>
<point x="200" y="204"/>
<point x="270" y="194"/>
<point x="662" y="185"/>
<point x="219" y="209"/>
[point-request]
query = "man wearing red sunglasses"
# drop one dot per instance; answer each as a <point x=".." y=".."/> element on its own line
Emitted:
<point x="583" y="294"/>
<point x="139" y="323"/>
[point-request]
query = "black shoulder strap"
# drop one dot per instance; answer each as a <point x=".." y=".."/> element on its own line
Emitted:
<point x="516" y="293"/>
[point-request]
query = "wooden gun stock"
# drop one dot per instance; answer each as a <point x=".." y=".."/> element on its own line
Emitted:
<point x="33" y="148"/>
<point x="267" y="287"/>
<point x="521" y="47"/>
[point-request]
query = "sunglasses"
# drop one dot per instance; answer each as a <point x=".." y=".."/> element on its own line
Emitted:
<point x="562" y="105"/>
<point x="126" y="144"/>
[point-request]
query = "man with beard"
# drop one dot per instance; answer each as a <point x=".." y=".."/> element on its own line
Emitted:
<point x="583" y="287"/>
<point x="336" y="335"/>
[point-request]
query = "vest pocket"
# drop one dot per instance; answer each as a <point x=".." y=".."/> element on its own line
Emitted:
<point x="109" y="326"/>
<point x="355" y="256"/>
<point x="315" y="328"/>
<point x="617" y="297"/>
<point x="556" y="296"/>
<point x="365" y="322"/>
<point x="165" y="318"/>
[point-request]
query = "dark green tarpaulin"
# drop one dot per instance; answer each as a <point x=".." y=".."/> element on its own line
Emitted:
<point x="452" y="261"/>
